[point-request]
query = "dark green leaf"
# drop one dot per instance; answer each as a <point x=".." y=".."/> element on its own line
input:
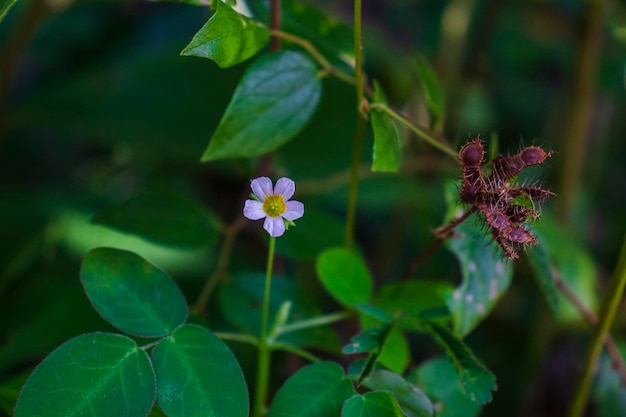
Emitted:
<point x="486" y="274"/>
<point x="228" y="38"/>
<point x="372" y="340"/>
<point x="314" y="232"/>
<point x="132" y="294"/>
<point x="433" y="92"/>
<point x="440" y="382"/>
<point x="167" y="219"/>
<point x="540" y="262"/>
<point x="197" y="375"/>
<point x="395" y="348"/>
<point x="345" y="276"/>
<point x="573" y="264"/>
<point x="92" y="375"/>
<point x="372" y="404"/>
<point x="317" y="390"/>
<point x="274" y="100"/>
<point x="386" y="156"/>
<point x="476" y="380"/>
<point x="609" y="391"/>
<point x="240" y="299"/>
<point x="412" y="400"/>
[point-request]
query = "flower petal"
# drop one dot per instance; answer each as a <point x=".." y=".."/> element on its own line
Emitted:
<point x="253" y="210"/>
<point x="285" y="187"/>
<point x="275" y="226"/>
<point x="295" y="210"/>
<point x="262" y="187"/>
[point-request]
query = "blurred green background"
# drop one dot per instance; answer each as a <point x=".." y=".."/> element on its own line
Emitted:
<point x="97" y="106"/>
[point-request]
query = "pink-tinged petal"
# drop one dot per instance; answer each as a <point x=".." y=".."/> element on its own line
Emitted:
<point x="262" y="187"/>
<point x="295" y="210"/>
<point x="253" y="210"/>
<point x="285" y="187"/>
<point x="274" y="226"/>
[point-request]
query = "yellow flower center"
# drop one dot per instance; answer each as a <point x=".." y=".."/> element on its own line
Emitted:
<point x="274" y="205"/>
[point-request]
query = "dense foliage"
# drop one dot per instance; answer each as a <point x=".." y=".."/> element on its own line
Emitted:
<point x="452" y="248"/>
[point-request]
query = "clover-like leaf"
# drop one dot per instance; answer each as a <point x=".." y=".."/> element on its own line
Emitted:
<point x="345" y="276"/>
<point x="198" y="375"/>
<point x="93" y="375"/>
<point x="317" y="390"/>
<point x="372" y="404"/>
<point x="228" y="38"/>
<point x="274" y="100"/>
<point x="131" y="293"/>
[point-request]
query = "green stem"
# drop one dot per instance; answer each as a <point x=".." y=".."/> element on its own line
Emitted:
<point x="607" y="314"/>
<point x="237" y="337"/>
<point x="420" y="131"/>
<point x="296" y="351"/>
<point x="315" y="54"/>
<point x="359" y="134"/>
<point x="316" y="322"/>
<point x="263" y="366"/>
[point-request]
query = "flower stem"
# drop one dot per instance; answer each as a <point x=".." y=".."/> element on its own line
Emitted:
<point x="607" y="314"/>
<point x="359" y="134"/>
<point x="263" y="366"/>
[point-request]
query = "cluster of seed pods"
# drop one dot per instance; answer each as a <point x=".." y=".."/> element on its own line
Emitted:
<point x="492" y="194"/>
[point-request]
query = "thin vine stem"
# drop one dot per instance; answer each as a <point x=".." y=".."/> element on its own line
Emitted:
<point x="316" y="322"/>
<point x="359" y="133"/>
<point x="420" y="131"/>
<point x="263" y="365"/>
<point x="607" y="314"/>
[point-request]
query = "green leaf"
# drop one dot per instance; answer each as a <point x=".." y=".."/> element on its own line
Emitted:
<point x="372" y="404"/>
<point x="433" y="92"/>
<point x="5" y="6"/>
<point x="440" y="382"/>
<point x="164" y="218"/>
<point x="386" y="156"/>
<point x="197" y="375"/>
<point x="395" y="348"/>
<point x="476" y="380"/>
<point x="573" y="264"/>
<point x="274" y="100"/>
<point x="416" y="297"/>
<point x="486" y="274"/>
<point x="373" y="340"/>
<point x="345" y="276"/>
<point x="132" y="294"/>
<point x="540" y="263"/>
<point x="313" y="233"/>
<point x="228" y="38"/>
<point x="317" y="390"/>
<point x="609" y="393"/>
<point x="411" y="399"/>
<point x="98" y="374"/>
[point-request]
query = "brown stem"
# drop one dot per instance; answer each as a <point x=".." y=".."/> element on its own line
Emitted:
<point x="617" y="361"/>
<point x="275" y="23"/>
<point x="579" y="117"/>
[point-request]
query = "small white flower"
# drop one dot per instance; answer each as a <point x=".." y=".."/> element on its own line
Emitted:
<point x="272" y="203"/>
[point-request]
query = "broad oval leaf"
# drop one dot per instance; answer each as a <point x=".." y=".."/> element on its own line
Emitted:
<point x="164" y="218"/>
<point x="131" y="293"/>
<point x="386" y="155"/>
<point x="372" y="404"/>
<point x="197" y="376"/>
<point x="486" y="274"/>
<point x="345" y="276"/>
<point x="228" y="38"/>
<point x="317" y="390"/>
<point x="440" y="381"/>
<point x="476" y="380"/>
<point x="412" y="400"/>
<point x="274" y="100"/>
<point x="94" y="375"/>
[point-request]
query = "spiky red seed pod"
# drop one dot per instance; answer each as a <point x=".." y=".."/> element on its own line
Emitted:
<point x="519" y="235"/>
<point x="472" y="185"/>
<point x="472" y="154"/>
<point x="533" y="155"/>
<point x="519" y="214"/>
<point x="497" y="220"/>
<point x="506" y="167"/>
<point x="534" y="193"/>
